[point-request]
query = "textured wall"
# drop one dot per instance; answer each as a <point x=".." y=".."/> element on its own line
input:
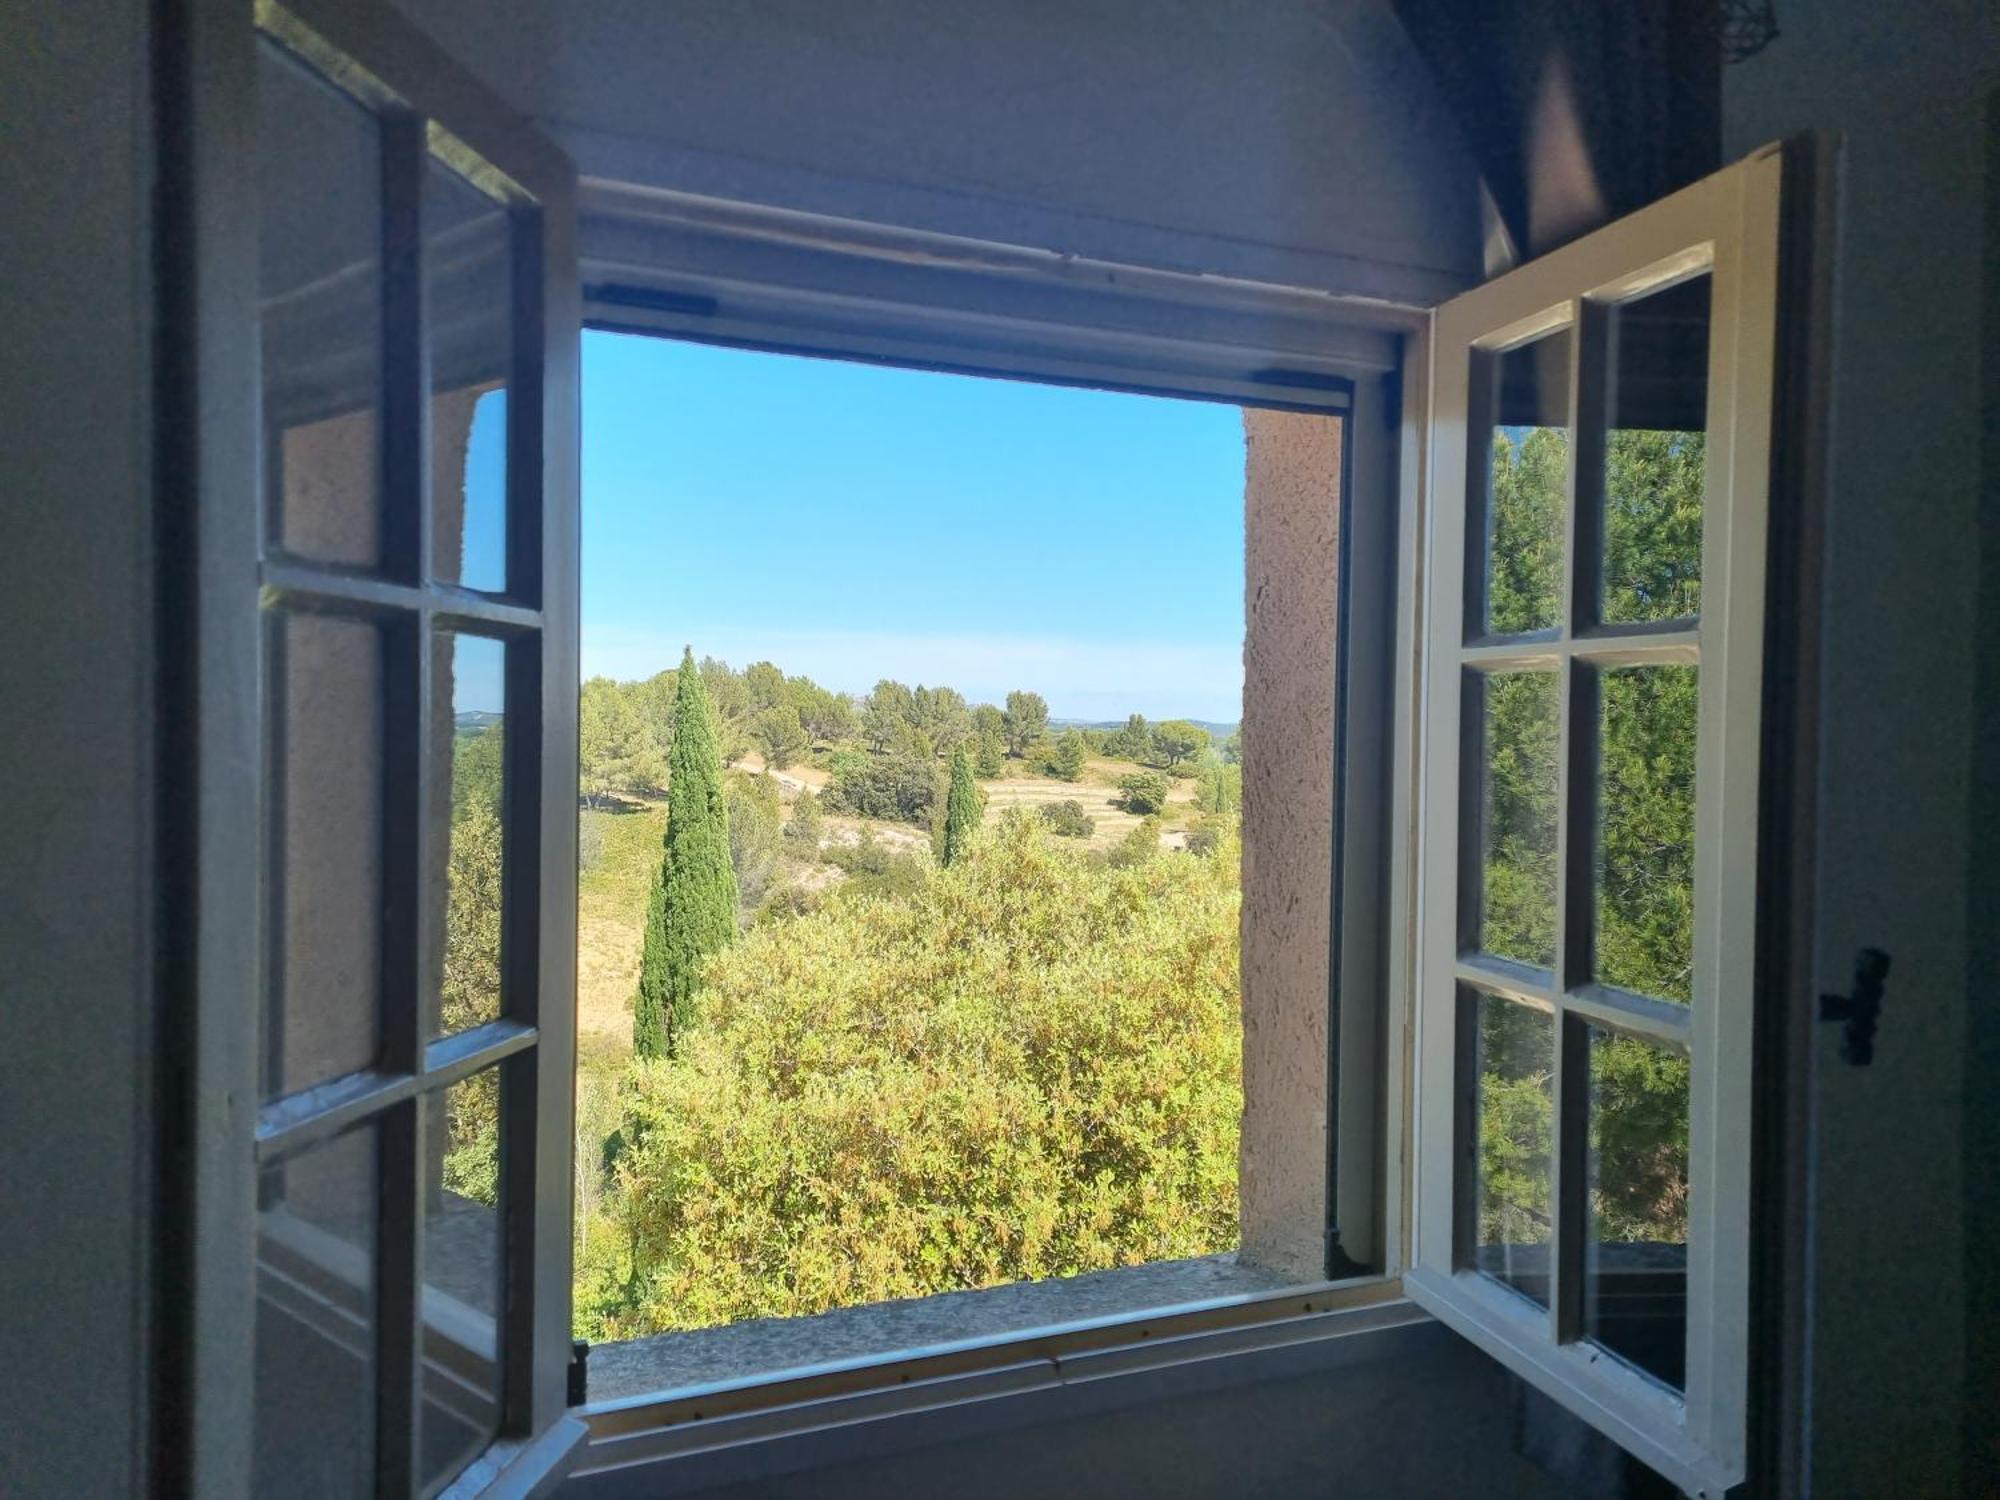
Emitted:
<point x="1291" y="531"/>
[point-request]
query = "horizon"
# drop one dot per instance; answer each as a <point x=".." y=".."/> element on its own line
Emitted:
<point x="951" y="530"/>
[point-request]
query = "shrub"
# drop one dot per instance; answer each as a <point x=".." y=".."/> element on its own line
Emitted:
<point x="1068" y="819"/>
<point x="802" y="833"/>
<point x="897" y="788"/>
<point x="1029" y="1069"/>
<point x="1144" y="791"/>
<point x="1138" y="846"/>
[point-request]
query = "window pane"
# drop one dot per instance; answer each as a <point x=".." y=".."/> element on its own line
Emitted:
<point x="1635" y="1256"/>
<point x="316" y="1321"/>
<point x="472" y="338"/>
<point x="469" y="673"/>
<point x="1527" y="484"/>
<point x="1514" y="1130"/>
<point x="463" y="1275"/>
<point x="1645" y="852"/>
<point x="326" y="759"/>
<point x="320" y="227"/>
<point x="1522" y="743"/>
<point x="1658" y="415"/>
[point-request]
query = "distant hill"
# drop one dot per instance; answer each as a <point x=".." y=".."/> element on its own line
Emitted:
<point x="473" y="721"/>
<point x="1218" y="731"/>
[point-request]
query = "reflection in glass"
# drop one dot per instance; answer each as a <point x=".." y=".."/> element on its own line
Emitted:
<point x="1515" y="1132"/>
<point x="316" y="1319"/>
<point x="463" y="1274"/>
<point x="1522" y="740"/>
<point x="326" y="756"/>
<point x="1645" y="835"/>
<point x="472" y="332"/>
<point x="1635" y="1247"/>
<point x="320" y="322"/>
<point x="1527" y="484"/>
<point x="1654" y="452"/>
<point x="469" y="672"/>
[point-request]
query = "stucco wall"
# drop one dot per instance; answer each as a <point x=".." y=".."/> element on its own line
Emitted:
<point x="1290" y="539"/>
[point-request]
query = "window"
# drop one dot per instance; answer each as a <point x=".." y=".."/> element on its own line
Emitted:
<point x="1593" y="645"/>
<point x="387" y="985"/>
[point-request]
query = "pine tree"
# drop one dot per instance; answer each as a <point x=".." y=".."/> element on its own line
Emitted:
<point x="961" y="809"/>
<point x="692" y="912"/>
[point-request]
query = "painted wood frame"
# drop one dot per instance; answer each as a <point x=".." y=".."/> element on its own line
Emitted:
<point x="224" y="579"/>
<point x="1725" y="227"/>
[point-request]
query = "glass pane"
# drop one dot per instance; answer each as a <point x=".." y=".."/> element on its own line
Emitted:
<point x="326" y="761"/>
<point x="463" y="1276"/>
<point x="1515" y="1132"/>
<point x="469" y="673"/>
<point x="1527" y="484"/>
<point x="1658" y="415"/>
<point x="1635" y="1247"/>
<point x="1645" y="848"/>
<point x="472" y="344"/>
<point x="320" y="287"/>
<point x="1522" y="740"/>
<point x="316" y="1321"/>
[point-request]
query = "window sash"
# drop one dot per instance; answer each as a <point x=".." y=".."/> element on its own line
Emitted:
<point x="1726" y="228"/>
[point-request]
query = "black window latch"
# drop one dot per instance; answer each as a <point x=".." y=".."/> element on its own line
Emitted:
<point x="1859" y="1009"/>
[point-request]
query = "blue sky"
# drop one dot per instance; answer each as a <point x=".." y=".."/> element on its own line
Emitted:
<point x="854" y="522"/>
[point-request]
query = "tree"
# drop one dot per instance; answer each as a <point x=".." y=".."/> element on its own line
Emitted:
<point x="885" y="712"/>
<point x="692" y="911"/>
<point x="943" y="717"/>
<point x="990" y="752"/>
<point x="1071" y="753"/>
<point x="826" y="716"/>
<point x="779" y="735"/>
<point x="1144" y="791"/>
<point x="898" y="788"/>
<point x="1232" y="748"/>
<point x="961" y="810"/>
<point x="1176" y="740"/>
<point x="1067" y="819"/>
<point x="1134" y="741"/>
<point x="1218" y="786"/>
<point x="802" y="833"/>
<point x="754" y="834"/>
<point x="1027" y="720"/>
<point x="616" y="752"/>
<point x="765" y="685"/>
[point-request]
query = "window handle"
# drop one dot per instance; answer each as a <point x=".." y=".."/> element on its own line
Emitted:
<point x="1859" y="1009"/>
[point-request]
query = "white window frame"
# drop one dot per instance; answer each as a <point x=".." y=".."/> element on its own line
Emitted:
<point x="1727" y="227"/>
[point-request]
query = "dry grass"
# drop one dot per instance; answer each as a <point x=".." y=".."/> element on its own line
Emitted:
<point x="611" y="927"/>
<point x="1097" y="791"/>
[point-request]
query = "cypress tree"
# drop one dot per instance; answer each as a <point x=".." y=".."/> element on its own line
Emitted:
<point x="692" y="912"/>
<point x="961" y="809"/>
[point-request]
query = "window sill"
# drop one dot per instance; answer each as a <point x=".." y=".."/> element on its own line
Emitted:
<point x="927" y="1379"/>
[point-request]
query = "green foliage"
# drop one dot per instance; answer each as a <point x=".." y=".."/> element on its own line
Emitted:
<point x="779" y="735"/>
<point x="1026" y="720"/>
<point x="1070" y="754"/>
<point x="1218" y="786"/>
<point x="898" y="788"/>
<point x="765" y="685"/>
<point x="1529" y="488"/>
<point x="1645" y="887"/>
<point x="755" y="835"/>
<point x="961" y="811"/>
<point x="1139" y="846"/>
<point x="1133" y="742"/>
<point x="885" y="712"/>
<point x="469" y="994"/>
<point x="1144" y="791"/>
<point x="616" y="751"/>
<point x="692" y="911"/>
<point x="1029" y="1068"/>
<point x="1067" y="819"/>
<point x="874" y="869"/>
<point x="807" y="825"/>
<point x="1176" y="740"/>
<point x="990" y="754"/>
<point x="1232" y="748"/>
<point x="1652" y="524"/>
<point x="1523" y="741"/>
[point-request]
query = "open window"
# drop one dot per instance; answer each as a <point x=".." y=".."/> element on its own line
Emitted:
<point x="380" y="1269"/>
<point x="1593" y="640"/>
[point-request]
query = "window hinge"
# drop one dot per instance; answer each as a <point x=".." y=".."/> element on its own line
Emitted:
<point x="579" y="1372"/>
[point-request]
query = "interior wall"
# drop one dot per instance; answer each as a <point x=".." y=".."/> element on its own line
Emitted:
<point x="1289" y="142"/>
<point x="1902" y="853"/>
<point x="75" y="745"/>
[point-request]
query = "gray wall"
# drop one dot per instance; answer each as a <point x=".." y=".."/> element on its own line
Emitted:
<point x="1292" y="142"/>
<point x="75" y="743"/>
<point x="1907" y="87"/>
